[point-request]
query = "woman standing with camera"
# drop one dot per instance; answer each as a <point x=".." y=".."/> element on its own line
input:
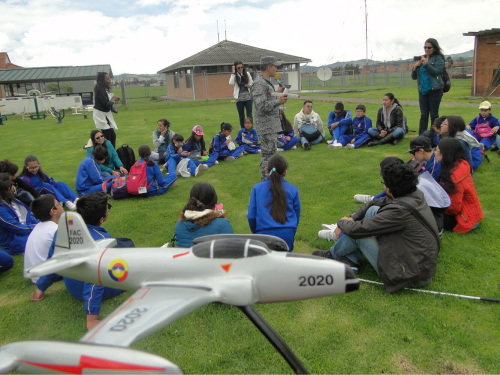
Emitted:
<point x="242" y="82"/>
<point x="428" y="71"/>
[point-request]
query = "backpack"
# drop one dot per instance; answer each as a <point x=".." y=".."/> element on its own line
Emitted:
<point x="138" y="179"/>
<point x="127" y="156"/>
<point x="482" y="130"/>
<point x="119" y="188"/>
<point x="446" y="80"/>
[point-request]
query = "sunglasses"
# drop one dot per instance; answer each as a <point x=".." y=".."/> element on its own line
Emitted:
<point x="99" y="137"/>
<point x="239" y="67"/>
<point x="428" y="47"/>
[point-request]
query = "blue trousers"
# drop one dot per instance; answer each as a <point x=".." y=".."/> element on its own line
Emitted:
<point x="172" y="166"/>
<point x="6" y="261"/>
<point x="60" y="191"/>
<point x="97" y="188"/>
<point x="354" y="249"/>
<point x="292" y="142"/>
<point x="168" y="180"/>
<point x="359" y="140"/>
<point x="252" y="150"/>
<point x="241" y="106"/>
<point x="339" y="131"/>
<point x="234" y="153"/>
<point x="211" y="159"/>
<point x="286" y="234"/>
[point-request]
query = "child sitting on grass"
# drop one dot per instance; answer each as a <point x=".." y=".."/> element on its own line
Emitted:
<point x="360" y="124"/>
<point x="175" y="154"/>
<point x="195" y="145"/>
<point x="222" y="141"/>
<point x="485" y="128"/>
<point x="247" y="137"/>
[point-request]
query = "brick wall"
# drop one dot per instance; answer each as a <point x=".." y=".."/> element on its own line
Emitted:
<point x="487" y="59"/>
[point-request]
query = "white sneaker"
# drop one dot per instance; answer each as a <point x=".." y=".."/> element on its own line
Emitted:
<point x="216" y="162"/>
<point x="279" y="150"/>
<point x="327" y="234"/>
<point x="329" y="142"/>
<point x="350" y="146"/>
<point x="294" y="147"/>
<point x="335" y="145"/>
<point x="362" y="198"/>
<point x="329" y="226"/>
<point x="70" y="205"/>
<point x="229" y="158"/>
<point x="260" y="151"/>
<point x="197" y="170"/>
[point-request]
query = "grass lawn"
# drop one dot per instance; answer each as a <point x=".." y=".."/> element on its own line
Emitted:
<point x="367" y="331"/>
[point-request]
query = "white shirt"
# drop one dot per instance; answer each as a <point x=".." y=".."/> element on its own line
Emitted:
<point x="38" y="244"/>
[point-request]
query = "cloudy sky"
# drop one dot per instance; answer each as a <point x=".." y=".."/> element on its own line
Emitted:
<point x="144" y="36"/>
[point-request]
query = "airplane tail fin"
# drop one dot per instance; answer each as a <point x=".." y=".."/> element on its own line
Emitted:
<point x="73" y="234"/>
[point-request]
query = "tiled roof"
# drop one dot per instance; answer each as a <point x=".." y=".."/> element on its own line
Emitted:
<point x="52" y="74"/>
<point x="227" y="52"/>
<point x="482" y="32"/>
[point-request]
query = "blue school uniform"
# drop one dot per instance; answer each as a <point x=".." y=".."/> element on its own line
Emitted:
<point x="252" y="145"/>
<point x="91" y="294"/>
<point x="361" y="136"/>
<point x="195" y="148"/>
<point x="259" y="216"/>
<point x="344" y="126"/>
<point x="13" y="233"/>
<point x="89" y="179"/>
<point x="492" y="122"/>
<point x="292" y="142"/>
<point x="157" y="184"/>
<point x="47" y="185"/>
<point x="173" y="158"/>
<point x="219" y="145"/>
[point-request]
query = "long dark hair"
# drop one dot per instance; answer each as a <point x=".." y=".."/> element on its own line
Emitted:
<point x="95" y="144"/>
<point x="25" y="172"/>
<point x="201" y="197"/>
<point x="437" y="48"/>
<point x="390" y="95"/>
<point x="455" y="124"/>
<point x="145" y="153"/>
<point x="451" y="152"/>
<point x="6" y="166"/>
<point x="100" y="82"/>
<point x="243" y="80"/>
<point x="276" y="166"/>
<point x="176" y="138"/>
<point x="6" y="193"/>
<point x="285" y="124"/>
<point x="193" y="140"/>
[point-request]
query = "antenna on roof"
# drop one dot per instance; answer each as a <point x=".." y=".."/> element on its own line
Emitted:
<point x="225" y="34"/>
<point x="218" y="31"/>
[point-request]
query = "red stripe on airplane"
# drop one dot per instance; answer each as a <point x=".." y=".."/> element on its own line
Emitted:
<point x="179" y="255"/>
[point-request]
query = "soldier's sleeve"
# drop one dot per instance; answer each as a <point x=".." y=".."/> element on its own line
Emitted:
<point x="265" y="104"/>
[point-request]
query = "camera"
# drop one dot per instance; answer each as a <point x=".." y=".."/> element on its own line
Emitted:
<point x="113" y="110"/>
<point x="418" y="58"/>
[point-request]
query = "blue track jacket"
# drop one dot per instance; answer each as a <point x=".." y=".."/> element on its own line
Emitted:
<point x="14" y="234"/>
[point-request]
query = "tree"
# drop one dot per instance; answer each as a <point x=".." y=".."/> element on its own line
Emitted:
<point x="449" y="60"/>
<point x="53" y="87"/>
<point x="68" y="87"/>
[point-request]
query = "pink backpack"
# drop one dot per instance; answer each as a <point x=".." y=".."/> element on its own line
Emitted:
<point x="138" y="179"/>
<point x="482" y="130"/>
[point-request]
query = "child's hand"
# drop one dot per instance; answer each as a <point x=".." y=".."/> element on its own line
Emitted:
<point x="495" y="130"/>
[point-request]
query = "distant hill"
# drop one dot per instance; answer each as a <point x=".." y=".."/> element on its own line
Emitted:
<point x="140" y="77"/>
<point x="467" y="56"/>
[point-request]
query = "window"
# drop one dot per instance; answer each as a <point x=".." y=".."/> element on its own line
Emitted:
<point x="189" y="79"/>
<point x="176" y="80"/>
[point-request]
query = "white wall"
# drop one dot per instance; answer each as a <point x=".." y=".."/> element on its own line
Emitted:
<point x="18" y="105"/>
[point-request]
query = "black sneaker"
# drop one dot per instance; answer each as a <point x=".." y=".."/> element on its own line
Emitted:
<point x="323" y="254"/>
<point x="347" y="261"/>
<point x="307" y="146"/>
<point x="494" y="148"/>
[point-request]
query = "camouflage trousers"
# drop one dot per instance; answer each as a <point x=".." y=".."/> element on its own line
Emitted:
<point x="269" y="143"/>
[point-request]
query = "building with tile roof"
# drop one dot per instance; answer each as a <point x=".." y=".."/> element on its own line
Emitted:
<point x="5" y="63"/>
<point x="206" y="74"/>
<point x="486" y="66"/>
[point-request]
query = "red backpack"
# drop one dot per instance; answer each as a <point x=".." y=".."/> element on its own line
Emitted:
<point x="137" y="179"/>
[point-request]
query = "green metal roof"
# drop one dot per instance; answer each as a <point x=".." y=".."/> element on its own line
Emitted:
<point x="53" y="74"/>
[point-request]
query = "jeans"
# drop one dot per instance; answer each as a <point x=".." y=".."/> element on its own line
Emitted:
<point x="429" y="103"/>
<point x="240" y="106"/>
<point x="354" y="249"/>
<point x="6" y="261"/>
<point x="309" y="129"/>
<point x="398" y="133"/>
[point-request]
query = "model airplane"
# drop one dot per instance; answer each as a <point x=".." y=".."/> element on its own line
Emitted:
<point x="170" y="283"/>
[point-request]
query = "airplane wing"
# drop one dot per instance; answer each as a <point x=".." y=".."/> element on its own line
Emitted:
<point x="148" y="310"/>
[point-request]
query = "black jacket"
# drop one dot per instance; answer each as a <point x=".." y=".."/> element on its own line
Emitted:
<point x="407" y="249"/>
<point x="101" y="100"/>
<point x="396" y="118"/>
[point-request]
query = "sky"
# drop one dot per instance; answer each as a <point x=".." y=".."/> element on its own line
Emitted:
<point x="145" y="36"/>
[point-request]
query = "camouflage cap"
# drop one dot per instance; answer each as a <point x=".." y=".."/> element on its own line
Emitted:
<point x="269" y="60"/>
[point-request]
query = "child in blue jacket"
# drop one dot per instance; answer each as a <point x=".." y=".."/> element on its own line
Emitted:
<point x="286" y="137"/>
<point x="33" y="175"/>
<point x="490" y="124"/>
<point x="274" y="206"/>
<point x="88" y="178"/>
<point x="195" y="145"/>
<point x="360" y="124"/>
<point x="157" y="184"/>
<point x="221" y="141"/>
<point x="175" y="154"/>
<point x="339" y="122"/>
<point x="247" y="137"/>
<point x="16" y="222"/>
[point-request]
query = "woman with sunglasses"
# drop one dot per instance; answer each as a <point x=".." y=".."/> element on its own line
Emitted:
<point x="242" y="82"/>
<point x="112" y="166"/>
<point x="428" y="71"/>
<point x="16" y="222"/>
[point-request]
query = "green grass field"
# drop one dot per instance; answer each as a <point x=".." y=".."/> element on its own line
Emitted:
<point x="367" y="331"/>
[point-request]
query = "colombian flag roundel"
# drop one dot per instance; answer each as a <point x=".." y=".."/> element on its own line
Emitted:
<point x="118" y="270"/>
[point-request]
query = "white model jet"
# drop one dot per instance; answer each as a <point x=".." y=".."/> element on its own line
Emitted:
<point x="170" y="283"/>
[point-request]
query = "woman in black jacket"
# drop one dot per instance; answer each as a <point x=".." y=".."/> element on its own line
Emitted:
<point x="103" y="104"/>
<point x="390" y="123"/>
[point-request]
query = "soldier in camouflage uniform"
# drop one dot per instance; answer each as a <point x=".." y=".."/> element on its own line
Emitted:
<point x="267" y="118"/>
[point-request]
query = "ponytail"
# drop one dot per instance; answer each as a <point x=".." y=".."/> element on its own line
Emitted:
<point x="277" y="166"/>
